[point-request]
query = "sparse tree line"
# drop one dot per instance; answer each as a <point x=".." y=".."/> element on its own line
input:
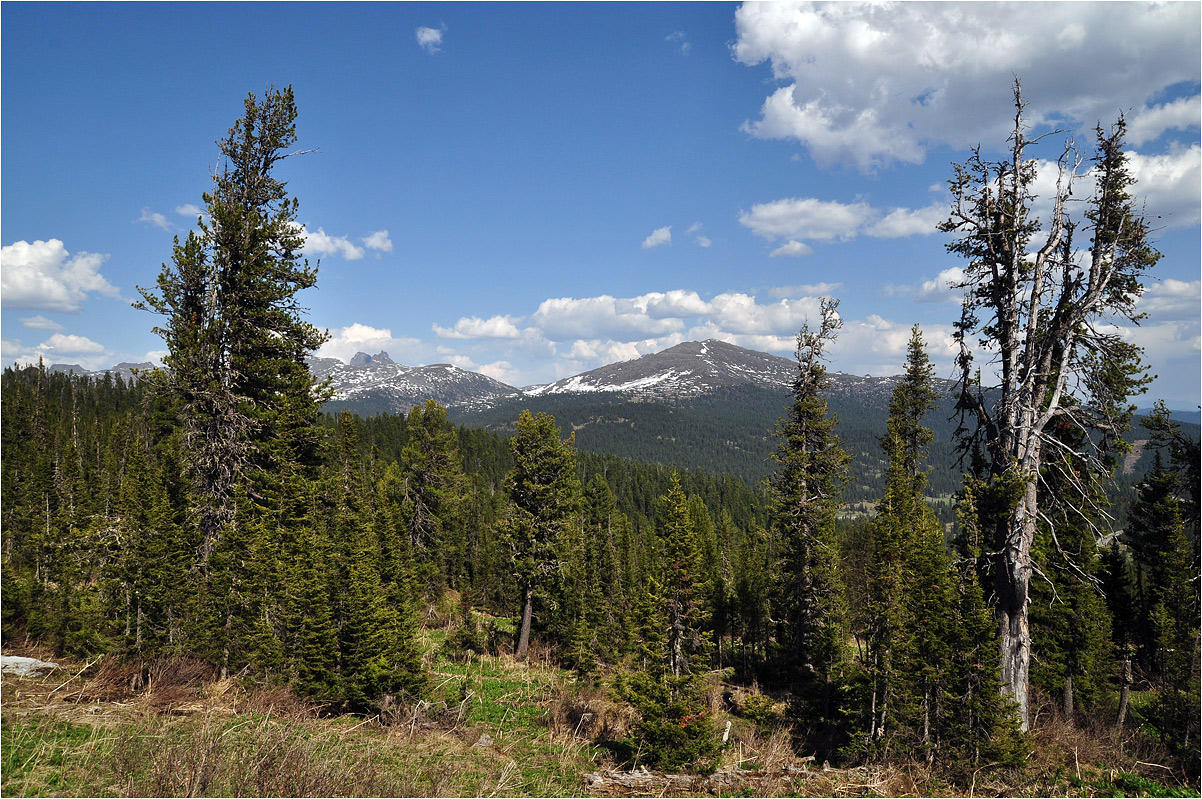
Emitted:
<point x="210" y="510"/>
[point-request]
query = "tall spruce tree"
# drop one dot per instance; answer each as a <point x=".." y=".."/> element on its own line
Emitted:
<point x="1035" y="306"/>
<point x="805" y="496"/>
<point x="910" y="605"/>
<point x="235" y="334"/>
<point x="545" y="494"/>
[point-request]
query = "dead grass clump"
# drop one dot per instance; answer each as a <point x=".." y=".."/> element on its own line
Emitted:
<point x="210" y="755"/>
<point x="114" y="680"/>
<point x="589" y="714"/>
<point x="172" y="681"/>
<point x="279" y="701"/>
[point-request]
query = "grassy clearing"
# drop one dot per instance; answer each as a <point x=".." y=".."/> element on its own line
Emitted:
<point x="490" y="727"/>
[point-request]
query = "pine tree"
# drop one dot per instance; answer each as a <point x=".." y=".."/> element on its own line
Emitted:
<point x="545" y="494"/>
<point x="235" y="336"/>
<point x="1036" y="304"/>
<point x="1071" y="626"/>
<point x="805" y="498"/>
<point x="910" y="602"/>
<point x="666" y="686"/>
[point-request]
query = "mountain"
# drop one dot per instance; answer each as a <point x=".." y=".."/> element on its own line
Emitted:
<point x="686" y="370"/>
<point x="125" y="370"/>
<point x="372" y="384"/>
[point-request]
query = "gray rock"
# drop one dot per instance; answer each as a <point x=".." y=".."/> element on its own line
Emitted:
<point x="24" y="667"/>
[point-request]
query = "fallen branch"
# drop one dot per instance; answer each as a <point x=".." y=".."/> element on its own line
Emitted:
<point x="81" y="671"/>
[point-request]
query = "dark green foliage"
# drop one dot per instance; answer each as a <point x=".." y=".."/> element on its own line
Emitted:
<point x="545" y="496"/>
<point x="811" y="614"/>
<point x="1071" y="626"/>
<point x="666" y="686"/>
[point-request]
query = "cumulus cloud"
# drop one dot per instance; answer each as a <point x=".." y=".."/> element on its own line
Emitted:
<point x="805" y="218"/>
<point x="1149" y="123"/>
<point x="868" y="85"/>
<point x="1172" y="299"/>
<point x="475" y="327"/>
<point x="65" y="344"/>
<point x="902" y="222"/>
<point x="191" y="211"/>
<point x="40" y="323"/>
<point x="796" y="218"/>
<point x="156" y="219"/>
<point x="44" y="276"/>
<point x="1170" y="184"/>
<point x="568" y="318"/>
<point x="346" y="341"/>
<point x="378" y="241"/>
<point x="430" y="39"/>
<point x="791" y="249"/>
<point x="323" y="245"/>
<point x="658" y="236"/>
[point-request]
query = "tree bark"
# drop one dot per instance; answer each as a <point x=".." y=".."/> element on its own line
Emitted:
<point x="524" y="633"/>
<point x="1013" y="582"/>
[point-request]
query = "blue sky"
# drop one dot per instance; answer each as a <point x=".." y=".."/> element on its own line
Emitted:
<point x="533" y="190"/>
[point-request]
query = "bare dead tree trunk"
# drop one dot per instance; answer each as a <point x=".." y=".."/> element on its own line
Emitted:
<point x="1039" y="303"/>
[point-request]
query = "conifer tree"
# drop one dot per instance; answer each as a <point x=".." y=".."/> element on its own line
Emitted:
<point x="910" y="602"/>
<point x="805" y="496"/>
<point x="666" y="687"/>
<point x="1070" y="622"/>
<point x="1035" y="302"/>
<point x="545" y="494"/>
<point x="434" y="486"/>
<point x="236" y="339"/>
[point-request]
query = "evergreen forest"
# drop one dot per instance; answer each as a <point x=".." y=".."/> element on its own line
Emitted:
<point x="212" y="511"/>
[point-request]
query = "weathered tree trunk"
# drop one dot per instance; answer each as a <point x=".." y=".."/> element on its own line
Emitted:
<point x="1069" y="710"/>
<point x="524" y="633"/>
<point x="1013" y="583"/>
<point x="1125" y="695"/>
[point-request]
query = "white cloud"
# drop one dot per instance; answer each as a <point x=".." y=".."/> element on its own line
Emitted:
<point x="1172" y="300"/>
<point x="805" y="218"/>
<point x="806" y="290"/>
<point x="703" y="241"/>
<point x="430" y="39"/>
<point x="739" y="313"/>
<point x="475" y="327"/>
<point x="378" y="241"/>
<point x="191" y="211"/>
<point x="66" y="344"/>
<point x="902" y="222"/>
<point x="872" y="84"/>
<point x="1149" y="123"/>
<point x="677" y="303"/>
<point x="567" y="318"/>
<point x="346" y="341"/>
<point x="503" y="371"/>
<point x="791" y="249"/>
<point x="797" y="218"/>
<point x="44" y="276"/>
<point x="322" y="244"/>
<point x="943" y="287"/>
<point x="156" y="219"/>
<point x="41" y="323"/>
<point x="1171" y="185"/>
<point x="658" y="236"/>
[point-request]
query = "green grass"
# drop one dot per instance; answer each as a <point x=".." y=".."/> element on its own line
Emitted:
<point x="44" y="757"/>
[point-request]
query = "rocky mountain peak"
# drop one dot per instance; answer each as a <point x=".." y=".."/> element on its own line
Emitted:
<point x="363" y="359"/>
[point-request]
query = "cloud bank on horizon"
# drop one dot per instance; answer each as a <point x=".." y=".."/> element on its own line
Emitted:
<point x="872" y="100"/>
